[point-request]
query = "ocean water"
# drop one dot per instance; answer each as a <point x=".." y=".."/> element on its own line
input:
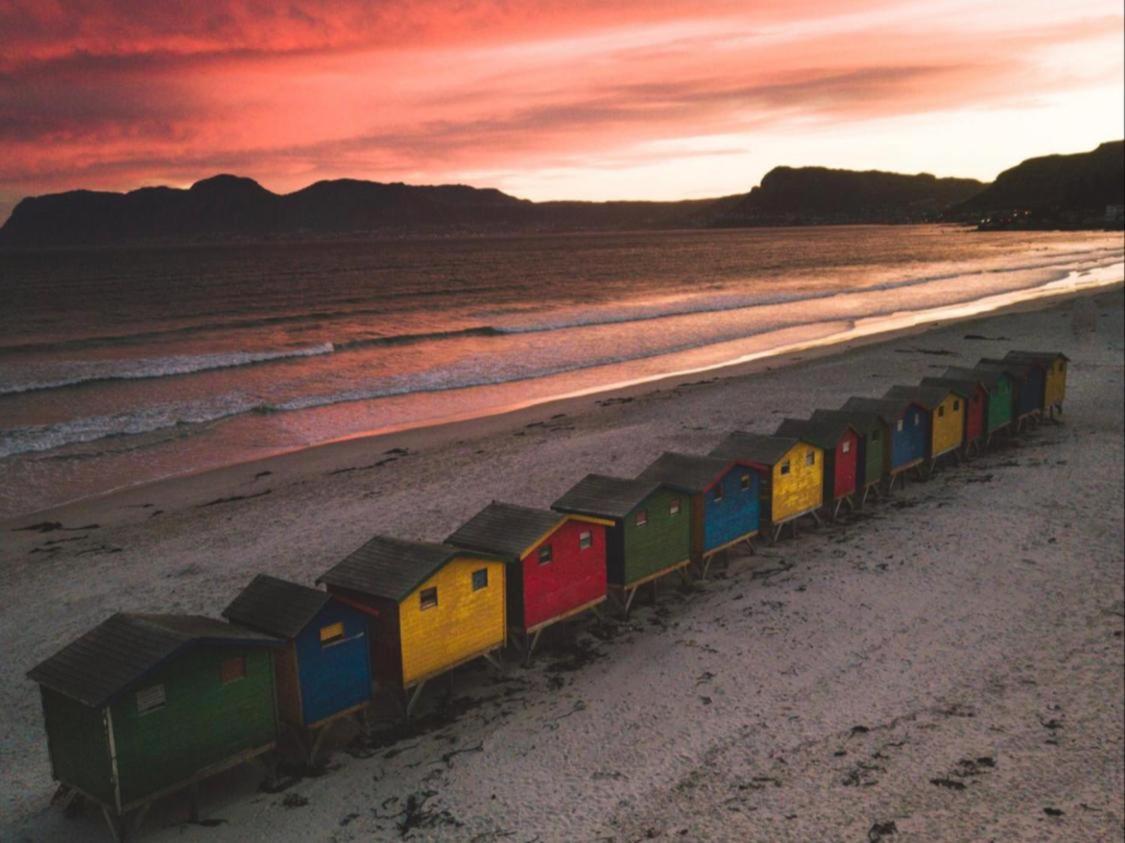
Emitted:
<point x="120" y="366"/>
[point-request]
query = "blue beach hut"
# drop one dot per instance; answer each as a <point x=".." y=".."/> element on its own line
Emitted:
<point x="725" y="496"/>
<point x="909" y="426"/>
<point x="324" y="671"/>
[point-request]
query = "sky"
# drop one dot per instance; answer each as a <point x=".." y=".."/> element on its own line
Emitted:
<point x="585" y="99"/>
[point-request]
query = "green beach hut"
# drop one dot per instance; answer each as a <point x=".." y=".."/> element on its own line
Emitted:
<point x="142" y="706"/>
<point x="651" y="533"/>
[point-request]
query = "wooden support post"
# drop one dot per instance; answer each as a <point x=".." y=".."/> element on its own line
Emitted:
<point x="836" y="509"/>
<point x="115" y="823"/>
<point x="750" y="546"/>
<point x="488" y="657"/>
<point x="412" y="699"/>
<point x="316" y="744"/>
<point x="139" y="818"/>
<point x="629" y="593"/>
<point x="815" y="516"/>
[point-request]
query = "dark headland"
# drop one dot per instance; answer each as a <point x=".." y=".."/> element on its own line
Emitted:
<point x="1071" y="191"/>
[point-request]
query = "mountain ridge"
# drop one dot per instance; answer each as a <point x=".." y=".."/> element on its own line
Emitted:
<point x="231" y="207"/>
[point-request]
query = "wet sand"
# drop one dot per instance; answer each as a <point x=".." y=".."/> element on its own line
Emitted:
<point x="947" y="665"/>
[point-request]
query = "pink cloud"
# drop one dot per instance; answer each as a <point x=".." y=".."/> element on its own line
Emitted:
<point x="114" y="94"/>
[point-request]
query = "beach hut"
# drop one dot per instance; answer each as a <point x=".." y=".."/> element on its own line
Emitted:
<point x="1001" y="389"/>
<point x="792" y="475"/>
<point x="142" y="706"/>
<point x="840" y="442"/>
<point x="946" y="406"/>
<point x="725" y="500"/>
<point x="432" y="607"/>
<point x="976" y="407"/>
<point x="1029" y="380"/>
<point x="324" y="670"/>
<point x="873" y="435"/>
<point x="556" y="562"/>
<point x="651" y="533"/>
<point x="909" y="425"/>
<point x="1054" y="364"/>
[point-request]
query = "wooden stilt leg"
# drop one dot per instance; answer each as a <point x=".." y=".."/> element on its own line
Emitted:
<point x="488" y="657"/>
<point x="815" y="516"/>
<point x="412" y="700"/>
<point x="750" y="547"/>
<point x="115" y="823"/>
<point x="139" y="818"/>
<point x="316" y="744"/>
<point x="629" y="595"/>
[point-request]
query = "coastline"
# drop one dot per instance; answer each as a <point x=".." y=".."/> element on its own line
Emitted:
<point x="930" y="630"/>
<point x="199" y="487"/>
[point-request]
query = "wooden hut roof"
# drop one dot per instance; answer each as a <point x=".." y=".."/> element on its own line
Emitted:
<point x="824" y="432"/>
<point x="1044" y="357"/>
<point x="962" y="386"/>
<point x="506" y="529"/>
<point x="927" y="396"/>
<point x="119" y="652"/>
<point x="392" y="568"/>
<point x="890" y="410"/>
<point x="604" y="496"/>
<point x="861" y="420"/>
<point x="1012" y="368"/>
<point x="755" y="447"/>
<point x="689" y="473"/>
<point x="276" y="606"/>
<point x="986" y="377"/>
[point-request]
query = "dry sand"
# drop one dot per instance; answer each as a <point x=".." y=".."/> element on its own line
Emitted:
<point x="946" y="666"/>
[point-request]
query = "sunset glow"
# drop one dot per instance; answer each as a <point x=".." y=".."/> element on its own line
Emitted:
<point x="568" y="100"/>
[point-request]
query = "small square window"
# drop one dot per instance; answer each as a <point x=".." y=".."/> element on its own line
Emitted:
<point x="956" y="406"/>
<point x="810" y="458"/>
<point x="918" y="420"/>
<point x="332" y="633"/>
<point x="641" y="517"/>
<point x="545" y="554"/>
<point x="745" y="480"/>
<point x="718" y="493"/>
<point x="847" y="449"/>
<point x="150" y="699"/>
<point x="785" y="467"/>
<point x="899" y="426"/>
<point x="585" y="539"/>
<point x="231" y="670"/>
<point x="428" y="598"/>
<point x="480" y="579"/>
<point x="674" y="506"/>
<point x="875" y="434"/>
<point x="941" y="411"/>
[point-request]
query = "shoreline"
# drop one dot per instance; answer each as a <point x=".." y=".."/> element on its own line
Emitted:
<point x="804" y="693"/>
<point x="295" y="464"/>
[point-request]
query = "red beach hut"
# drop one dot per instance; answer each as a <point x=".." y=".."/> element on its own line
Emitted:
<point x="556" y="562"/>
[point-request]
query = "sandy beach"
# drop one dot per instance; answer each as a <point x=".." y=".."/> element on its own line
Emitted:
<point x="946" y="665"/>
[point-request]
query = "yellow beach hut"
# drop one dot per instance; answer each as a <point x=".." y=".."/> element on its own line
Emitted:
<point x="946" y="407"/>
<point x="432" y="607"/>
<point x="1055" y="364"/>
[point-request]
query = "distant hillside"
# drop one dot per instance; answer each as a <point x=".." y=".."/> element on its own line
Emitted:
<point x="1063" y="190"/>
<point x="818" y="195"/>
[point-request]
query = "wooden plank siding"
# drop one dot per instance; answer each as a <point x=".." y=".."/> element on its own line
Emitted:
<point x="203" y="722"/>
<point x="799" y="488"/>
<point x="464" y="623"/>
<point x="336" y="676"/>
<point x="78" y="743"/>
<point x="947" y="428"/>
<point x="733" y="515"/>
<point x="575" y="576"/>
<point x="661" y="543"/>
